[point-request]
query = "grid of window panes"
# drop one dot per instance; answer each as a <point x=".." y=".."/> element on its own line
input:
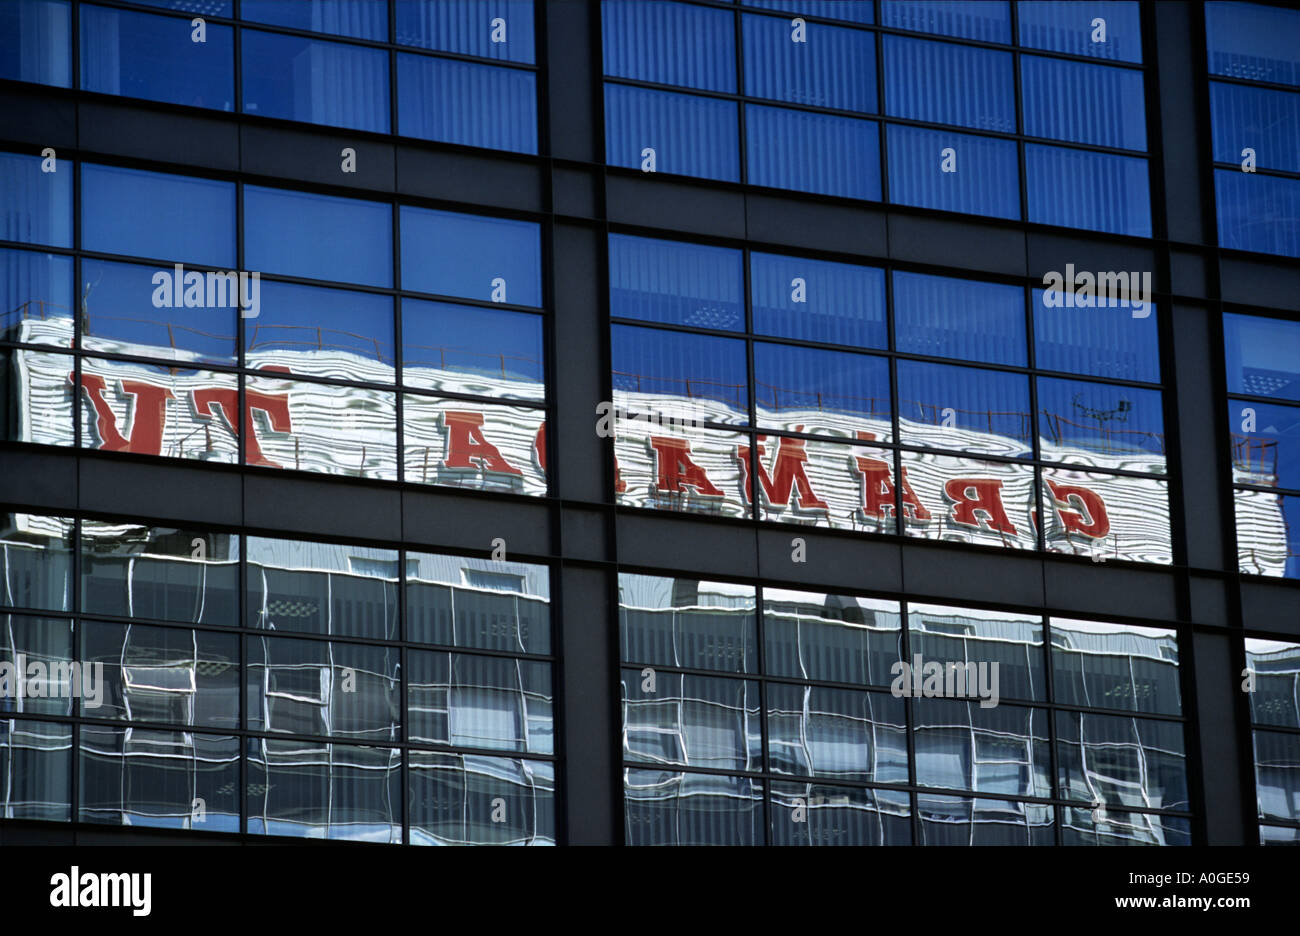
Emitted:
<point x="1274" y="667"/>
<point x="150" y="674"/>
<point x="1254" y="67"/>
<point x="974" y="100"/>
<point x="349" y="348"/>
<point x="464" y="70"/>
<point x="745" y="378"/>
<point x="1263" y="365"/>
<point x="766" y="715"/>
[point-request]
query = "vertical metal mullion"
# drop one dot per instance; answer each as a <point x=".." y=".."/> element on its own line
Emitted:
<point x="392" y="68"/>
<point x="241" y="803"/>
<point x="403" y="694"/>
<point x="740" y="96"/>
<point x="1020" y="112"/>
<point x="399" y="356"/>
<point x="1042" y="500"/>
<point x="239" y="60"/>
<point x="747" y="257"/>
<point x="1053" y="783"/>
<point x="74" y="795"/>
<point x="879" y="41"/>
<point x="895" y="405"/>
<point x="238" y="418"/>
<point x="909" y="717"/>
<point x="763" y="767"/>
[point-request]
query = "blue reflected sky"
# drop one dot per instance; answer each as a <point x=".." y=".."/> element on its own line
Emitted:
<point x="1098" y="342"/>
<point x="325" y="332"/>
<point x="462" y="255"/>
<point x="1271" y="450"/>
<point x="1263" y="356"/>
<point x="838" y="303"/>
<point x="439" y="337"/>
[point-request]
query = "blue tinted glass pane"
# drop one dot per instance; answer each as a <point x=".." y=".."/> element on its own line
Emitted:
<point x="1268" y="543"/>
<point x="461" y="102"/>
<point x="206" y="7"/>
<point x="1102" y="342"/>
<point x="986" y="180"/>
<point x="129" y="309"/>
<point x="1269" y="453"/>
<point x="152" y="214"/>
<point x="690" y="135"/>
<point x="360" y="19"/>
<point x="35" y="206"/>
<point x="817" y="300"/>
<point x="806" y="152"/>
<point x="1089" y="191"/>
<point x="1264" y="120"/>
<point x="676" y="283"/>
<point x="989" y="409"/>
<point x="1067" y="26"/>
<point x="321" y="333"/>
<point x="35" y="42"/>
<point x="989" y="20"/>
<point x="851" y="11"/>
<point x="1083" y="103"/>
<point x="949" y="84"/>
<point x="1263" y="356"/>
<point x="1253" y="41"/>
<point x="153" y="57"/>
<point x="791" y="382"/>
<point x="36" y="292"/>
<point x="318" y="236"/>
<point x="1257" y="212"/>
<point x="833" y="68"/>
<point x="463" y="349"/>
<point x="471" y="257"/>
<point x="498" y="29"/>
<point x="669" y="43"/>
<point x="694" y="368"/>
<point x="312" y="80"/>
<point x="957" y="318"/>
<point x="1101" y="424"/>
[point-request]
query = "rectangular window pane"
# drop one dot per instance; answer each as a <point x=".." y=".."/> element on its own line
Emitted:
<point x="691" y="721"/>
<point x="1276" y="665"/>
<point x="488" y="605"/>
<point x="835" y="638"/>
<point x="817" y="300"/>
<point x="468" y="349"/>
<point x="1119" y="761"/>
<point x="1277" y="775"/>
<point x="676" y="283"/>
<point x="321" y="333"/>
<point x="466" y="103"/>
<point x="470" y="27"/>
<point x="664" y="807"/>
<point x="1268" y="454"/>
<point x="1260" y="119"/>
<point x="686" y="134"/>
<point x="687" y="623"/>
<point x="1253" y="41"/>
<point x="677" y="373"/>
<point x="454" y="797"/>
<point x="1262" y="356"/>
<point x="141" y="55"/>
<point x="1090" y="827"/>
<point x="479" y="446"/>
<point x="832" y="67"/>
<point x="1106" y="517"/>
<point x="157" y="215"/>
<point x="328" y="83"/>
<point x="980" y="175"/>
<point x="964" y="408"/>
<point x="1258" y="212"/>
<point x="35" y="770"/>
<point x="35" y="298"/>
<point x="986" y="20"/>
<point x="1071" y="26"/>
<point x="803" y="151"/>
<point x="282" y="234"/>
<point x="1089" y="191"/>
<point x="25" y="640"/>
<point x="360" y="19"/>
<point x="839" y="815"/>
<point x="37" y="206"/>
<point x="958" y="820"/>
<point x="963" y="500"/>
<point x="815" y="391"/>
<point x="687" y="470"/>
<point x="471" y="256"/>
<point x="1102" y="425"/>
<point x="1013" y="642"/>
<point x="35" y="42"/>
<point x="836" y="734"/>
<point x="823" y="484"/>
<point x="950" y="84"/>
<point x="669" y="43"/>
<point x="1100" y="341"/>
<point x="1083" y="103"/>
<point x="969" y="320"/>
<point x="994" y="749"/>
<point x="1116" y="666"/>
<point x="1268" y="533"/>
<point x="495" y="703"/>
<point x="36" y="397"/>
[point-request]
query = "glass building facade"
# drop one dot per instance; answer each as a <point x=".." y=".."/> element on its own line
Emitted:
<point x="650" y="422"/>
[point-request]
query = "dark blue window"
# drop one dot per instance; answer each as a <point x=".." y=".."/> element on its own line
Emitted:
<point x="1271" y="450"/>
<point x="318" y="236"/>
<point x="35" y="206"/>
<point x="157" y="215"/>
<point x="1262" y="119"/>
<point x="471" y="257"/>
<point x="1253" y="41"/>
<point x="833" y="382"/>
<point x="1102" y="424"/>
<point x="141" y="55"/>
<point x="35" y="43"/>
<point x="688" y="367"/>
<point x="965" y="319"/>
<point x="210" y="7"/>
<point x="321" y="332"/>
<point x="987" y="20"/>
<point x="497" y="29"/>
<point x="1100" y="342"/>
<point x="986" y="180"/>
<point x="1088" y="191"/>
<point x="850" y="11"/>
<point x="36" y="292"/>
<point x="690" y="135"/>
<point x="128" y="309"/>
<point x="676" y="283"/>
<point x="834" y="67"/>
<point x="467" y="349"/>
<point x="1258" y="212"/>
<point x="1067" y="26"/>
<point x="992" y="403"/>
<point x="816" y="300"/>
<point x="313" y="80"/>
<point x="807" y="152"/>
<point x="360" y="19"/>
<point x="466" y="103"/>
<point x="1083" y="103"/>
<point x="1263" y="356"/>
<point x="950" y="84"/>
<point x="669" y="43"/>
